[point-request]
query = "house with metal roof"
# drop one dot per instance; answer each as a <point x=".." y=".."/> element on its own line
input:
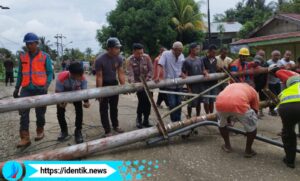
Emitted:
<point x="281" y="32"/>
<point x="224" y="33"/>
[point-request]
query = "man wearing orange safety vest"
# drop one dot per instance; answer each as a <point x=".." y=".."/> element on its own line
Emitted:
<point x="34" y="77"/>
<point x="241" y="65"/>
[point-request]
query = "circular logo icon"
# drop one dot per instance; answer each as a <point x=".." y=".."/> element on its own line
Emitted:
<point x="12" y="171"/>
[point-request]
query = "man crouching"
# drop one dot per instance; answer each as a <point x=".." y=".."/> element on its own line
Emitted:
<point x="238" y="102"/>
<point x="72" y="80"/>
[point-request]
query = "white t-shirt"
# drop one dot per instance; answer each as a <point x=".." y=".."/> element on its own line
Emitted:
<point x="282" y="62"/>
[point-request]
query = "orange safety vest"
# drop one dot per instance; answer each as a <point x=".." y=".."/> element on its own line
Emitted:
<point x="34" y="71"/>
<point x="236" y="66"/>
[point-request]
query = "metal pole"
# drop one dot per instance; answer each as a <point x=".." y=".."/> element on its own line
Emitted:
<point x="212" y="123"/>
<point x="51" y="99"/>
<point x="194" y="98"/>
<point x="208" y="19"/>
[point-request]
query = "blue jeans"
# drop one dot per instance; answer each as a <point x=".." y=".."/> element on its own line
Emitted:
<point x="39" y="111"/>
<point x="174" y="101"/>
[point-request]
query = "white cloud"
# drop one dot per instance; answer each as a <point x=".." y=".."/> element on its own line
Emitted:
<point x="78" y="20"/>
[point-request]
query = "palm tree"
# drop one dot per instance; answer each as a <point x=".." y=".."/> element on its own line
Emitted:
<point x="187" y="17"/>
<point x="88" y="54"/>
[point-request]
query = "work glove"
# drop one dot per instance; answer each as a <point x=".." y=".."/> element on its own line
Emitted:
<point x="16" y="93"/>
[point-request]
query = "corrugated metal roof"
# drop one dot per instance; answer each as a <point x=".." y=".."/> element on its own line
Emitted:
<point x="267" y="38"/>
<point x="230" y="27"/>
<point x="292" y="16"/>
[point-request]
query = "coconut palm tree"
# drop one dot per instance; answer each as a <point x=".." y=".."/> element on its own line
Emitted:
<point x="187" y="17"/>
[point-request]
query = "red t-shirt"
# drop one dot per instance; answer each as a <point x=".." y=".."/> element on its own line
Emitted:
<point x="237" y="98"/>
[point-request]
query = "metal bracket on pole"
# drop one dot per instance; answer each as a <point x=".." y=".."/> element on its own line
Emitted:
<point x="271" y="96"/>
<point x="160" y="124"/>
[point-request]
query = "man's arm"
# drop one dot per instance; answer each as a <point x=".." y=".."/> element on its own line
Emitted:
<point x="150" y="68"/>
<point x="130" y="72"/>
<point x="19" y="78"/>
<point x="49" y="71"/>
<point x="99" y="78"/>
<point x="84" y="85"/>
<point x="121" y="75"/>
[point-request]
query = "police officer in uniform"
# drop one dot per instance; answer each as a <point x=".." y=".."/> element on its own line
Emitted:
<point x="140" y="64"/>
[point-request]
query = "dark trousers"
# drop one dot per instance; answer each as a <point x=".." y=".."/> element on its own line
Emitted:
<point x="112" y="102"/>
<point x="39" y="111"/>
<point x="62" y="119"/>
<point x="162" y="97"/>
<point x="144" y="105"/>
<point x="174" y="101"/>
<point x="9" y="77"/>
<point x="290" y="116"/>
<point x="276" y="89"/>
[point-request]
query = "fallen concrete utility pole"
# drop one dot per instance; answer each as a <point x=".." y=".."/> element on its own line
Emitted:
<point x="51" y="99"/>
<point x="213" y="123"/>
<point x="96" y="146"/>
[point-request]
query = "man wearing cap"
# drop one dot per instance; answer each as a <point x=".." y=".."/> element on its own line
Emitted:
<point x="273" y="81"/>
<point x="171" y="63"/>
<point x="72" y="80"/>
<point x="140" y="64"/>
<point x="34" y="77"/>
<point x="289" y="112"/>
<point x="193" y="65"/>
<point x="109" y="72"/>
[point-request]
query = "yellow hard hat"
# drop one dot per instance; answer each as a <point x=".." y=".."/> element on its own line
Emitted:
<point x="244" y="51"/>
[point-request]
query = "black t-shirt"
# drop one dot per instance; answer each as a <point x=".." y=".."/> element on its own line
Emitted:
<point x="109" y="66"/>
<point x="210" y="64"/>
<point x="9" y="66"/>
<point x="260" y="80"/>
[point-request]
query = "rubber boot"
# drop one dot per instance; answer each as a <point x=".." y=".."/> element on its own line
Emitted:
<point x="63" y="135"/>
<point x="78" y="136"/>
<point x="25" y="139"/>
<point x="146" y="122"/>
<point x="39" y="134"/>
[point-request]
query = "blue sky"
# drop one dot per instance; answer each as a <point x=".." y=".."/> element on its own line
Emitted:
<point x="78" y="20"/>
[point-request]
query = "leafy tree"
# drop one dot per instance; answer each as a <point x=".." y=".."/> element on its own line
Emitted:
<point x="292" y="6"/>
<point x="5" y="53"/>
<point x="73" y="54"/>
<point x="250" y="13"/>
<point x="88" y="54"/>
<point x="45" y="46"/>
<point x="149" y="23"/>
<point x="187" y="17"/>
<point x="221" y="30"/>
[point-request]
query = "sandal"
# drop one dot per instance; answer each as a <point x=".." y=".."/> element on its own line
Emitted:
<point x="250" y="155"/>
<point x="226" y="149"/>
